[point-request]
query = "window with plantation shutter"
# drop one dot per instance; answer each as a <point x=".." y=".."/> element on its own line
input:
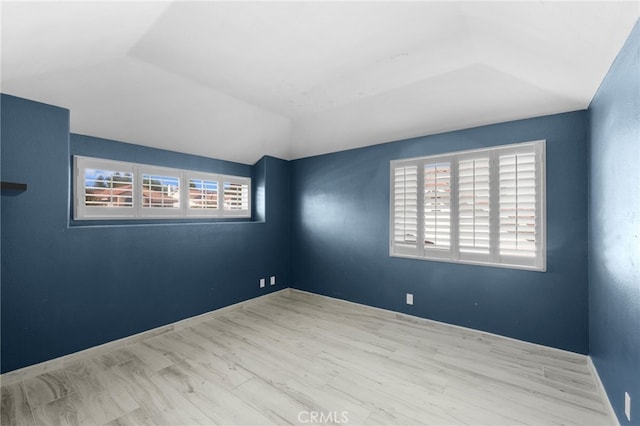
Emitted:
<point x="108" y="189"/>
<point x="405" y="208"/>
<point x="104" y="189"/>
<point x="160" y="191"/>
<point x="203" y="194"/>
<point x="437" y="205"/>
<point x="236" y="197"/>
<point x="474" y="206"/>
<point x="518" y="205"/>
<point x="482" y="207"/>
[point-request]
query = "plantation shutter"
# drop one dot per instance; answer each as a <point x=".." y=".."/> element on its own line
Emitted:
<point x="474" y="206"/>
<point x="203" y="194"/>
<point x="484" y="207"/>
<point x="236" y="197"/>
<point x="517" y="231"/>
<point x="160" y="192"/>
<point x="104" y="189"/>
<point x="437" y="206"/>
<point x="405" y="208"/>
<point x="108" y="189"/>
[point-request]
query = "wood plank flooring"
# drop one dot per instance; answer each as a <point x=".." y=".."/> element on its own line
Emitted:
<point x="297" y="358"/>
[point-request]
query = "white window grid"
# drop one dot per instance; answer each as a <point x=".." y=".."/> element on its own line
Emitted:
<point x="158" y="192"/>
<point x="484" y="206"/>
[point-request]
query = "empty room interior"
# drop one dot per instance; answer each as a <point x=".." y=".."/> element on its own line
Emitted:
<point x="310" y="212"/>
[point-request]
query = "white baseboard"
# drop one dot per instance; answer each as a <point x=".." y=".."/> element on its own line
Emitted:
<point x="602" y="390"/>
<point x="56" y="363"/>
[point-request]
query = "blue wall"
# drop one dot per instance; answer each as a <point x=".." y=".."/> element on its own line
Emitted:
<point x="614" y="246"/>
<point x="66" y="288"/>
<point x="340" y="247"/>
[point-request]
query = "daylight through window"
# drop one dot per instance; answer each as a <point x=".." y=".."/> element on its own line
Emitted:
<point x="106" y="189"/>
<point x="483" y="207"/>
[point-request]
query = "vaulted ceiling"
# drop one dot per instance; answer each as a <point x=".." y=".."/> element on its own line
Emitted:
<point x="239" y="80"/>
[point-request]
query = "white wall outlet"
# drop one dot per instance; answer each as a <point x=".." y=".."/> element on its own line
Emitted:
<point x="409" y="299"/>
<point x="627" y="405"/>
<point x="273" y="280"/>
<point x="262" y="282"/>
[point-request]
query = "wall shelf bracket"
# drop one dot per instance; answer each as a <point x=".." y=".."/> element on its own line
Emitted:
<point x="12" y="186"/>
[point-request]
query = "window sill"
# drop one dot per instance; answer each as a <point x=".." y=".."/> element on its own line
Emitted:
<point x="470" y="262"/>
<point x="72" y="223"/>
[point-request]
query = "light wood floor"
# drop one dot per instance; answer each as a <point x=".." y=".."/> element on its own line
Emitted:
<point x="297" y="358"/>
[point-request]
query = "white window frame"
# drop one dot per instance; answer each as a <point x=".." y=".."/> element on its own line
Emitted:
<point x="81" y="211"/>
<point x="137" y="211"/>
<point x="158" y="212"/>
<point x="198" y="212"/>
<point x="233" y="180"/>
<point x="536" y="261"/>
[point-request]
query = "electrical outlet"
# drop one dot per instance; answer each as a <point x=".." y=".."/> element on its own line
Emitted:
<point x="262" y="282"/>
<point x="627" y="405"/>
<point x="273" y="280"/>
<point x="409" y="299"/>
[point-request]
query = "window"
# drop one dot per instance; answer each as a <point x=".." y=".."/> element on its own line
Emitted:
<point x="474" y="205"/>
<point x="203" y="194"/>
<point x="104" y="188"/>
<point x="236" y="196"/>
<point x="107" y="189"/>
<point x="482" y="207"/>
<point x="437" y="206"/>
<point x="160" y="192"/>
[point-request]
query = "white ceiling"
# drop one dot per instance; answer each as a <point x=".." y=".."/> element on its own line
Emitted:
<point x="239" y="80"/>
